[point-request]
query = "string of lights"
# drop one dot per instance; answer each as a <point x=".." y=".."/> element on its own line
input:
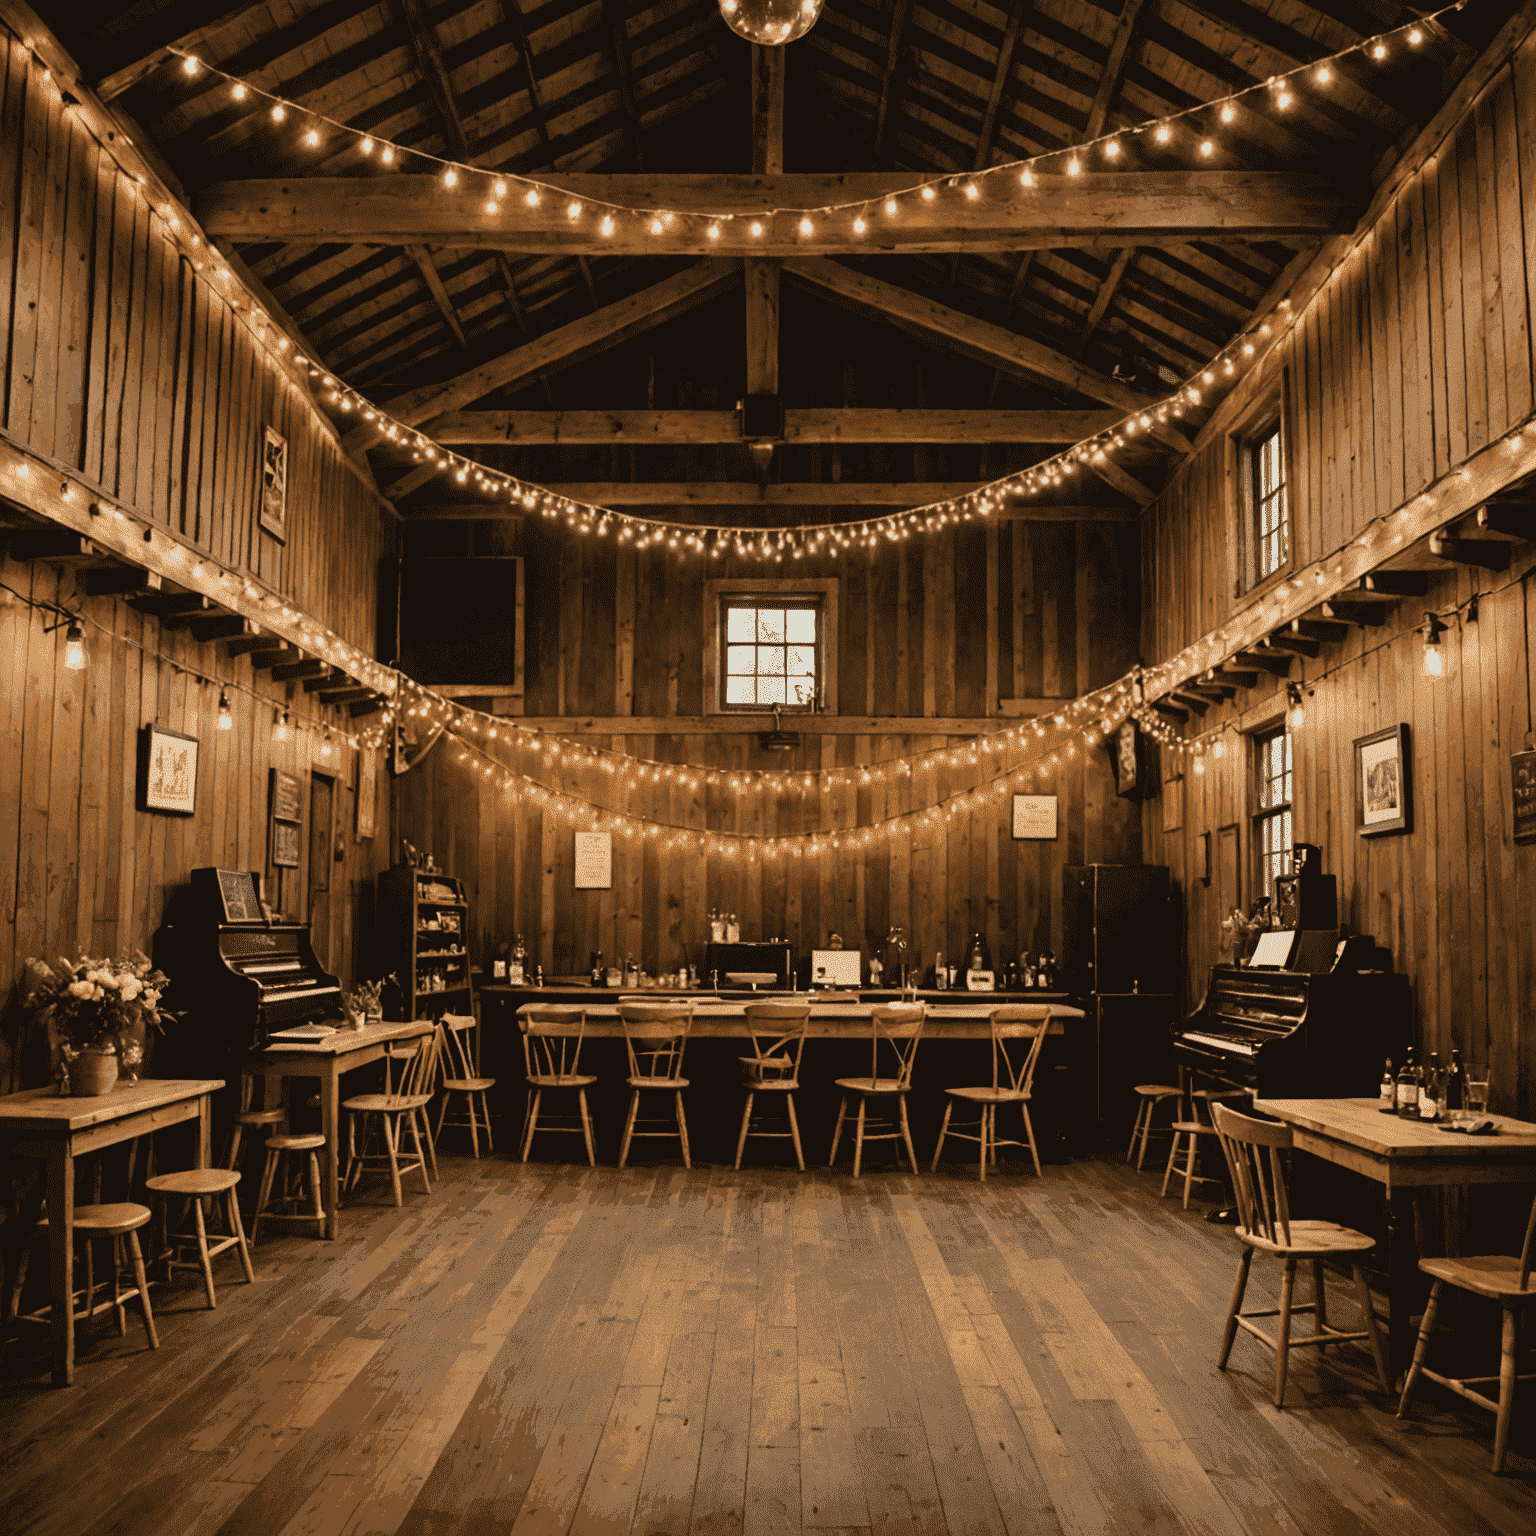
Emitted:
<point x="499" y="191"/>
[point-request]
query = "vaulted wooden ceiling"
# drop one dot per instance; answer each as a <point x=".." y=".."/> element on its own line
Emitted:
<point x="1072" y="323"/>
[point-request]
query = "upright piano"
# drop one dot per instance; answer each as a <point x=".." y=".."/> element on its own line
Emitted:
<point x="237" y="977"/>
<point x="1298" y="1032"/>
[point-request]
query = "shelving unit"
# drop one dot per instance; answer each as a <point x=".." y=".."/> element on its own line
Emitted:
<point x="424" y="933"/>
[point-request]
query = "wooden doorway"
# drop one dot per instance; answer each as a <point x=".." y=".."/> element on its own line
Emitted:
<point x="322" y="839"/>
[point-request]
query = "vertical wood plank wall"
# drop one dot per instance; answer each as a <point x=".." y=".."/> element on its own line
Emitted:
<point x="914" y="639"/>
<point x="1417" y="354"/>
<point x="116" y="362"/>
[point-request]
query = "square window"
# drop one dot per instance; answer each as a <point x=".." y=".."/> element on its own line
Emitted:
<point x="772" y="651"/>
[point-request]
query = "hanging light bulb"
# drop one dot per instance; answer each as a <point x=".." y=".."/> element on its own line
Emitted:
<point x="74" y="647"/>
<point x="1437" y="658"/>
<point x="226" y="722"/>
<point x="771" y="22"/>
<point x="1218" y="748"/>
<point x="279" y="725"/>
<point x="1296" y="716"/>
<point x="325" y="743"/>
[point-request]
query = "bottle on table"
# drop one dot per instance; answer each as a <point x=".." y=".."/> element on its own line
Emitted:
<point x="1386" y="1100"/>
<point x="599" y="972"/>
<point x="940" y="972"/>
<point x="517" y="970"/>
<point x="631" y="973"/>
<point x="876" y="971"/>
<point x="732" y="930"/>
<point x="1455" y="1084"/>
<point x="539" y="980"/>
<point x="1431" y="1088"/>
<point x="1408" y="1088"/>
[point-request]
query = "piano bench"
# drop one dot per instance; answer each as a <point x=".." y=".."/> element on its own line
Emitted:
<point x="1148" y="1097"/>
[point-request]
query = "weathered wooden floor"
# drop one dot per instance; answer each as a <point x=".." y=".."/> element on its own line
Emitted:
<point x="564" y="1349"/>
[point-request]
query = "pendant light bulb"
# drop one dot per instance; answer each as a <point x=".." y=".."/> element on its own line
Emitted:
<point x="1218" y="748"/>
<point x="325" y="743"/>
<point x="279" y="725"/>
<point x="226" y="723"/>
<point x="74" y="647"/>
<point x="1437" y="657"/>
<point x="1296" y="716"/>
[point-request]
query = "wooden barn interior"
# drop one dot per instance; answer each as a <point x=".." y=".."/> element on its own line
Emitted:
<point x="539" y="533"/>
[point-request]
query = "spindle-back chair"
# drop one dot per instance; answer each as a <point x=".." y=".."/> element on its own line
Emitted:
<point x="1018" y="1032"/>
<point x="552" y="1039"/>
<point x="655" y="1036"/>
<point x="899" y="1028"/>
<point x="778" y="1038"/>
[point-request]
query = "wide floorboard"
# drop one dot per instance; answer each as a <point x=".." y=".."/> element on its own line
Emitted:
<point x="556" y="1348"/>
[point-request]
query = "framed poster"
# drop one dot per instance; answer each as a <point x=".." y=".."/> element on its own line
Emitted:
<point x="1383" y="789"/>
<point x="1034" y="817"/>
<point x="286" y="795"/>
<point x="594" y="861"/>
<point x="1173" y="803"/>
<point x="367" y="792"/>
<point x="273" y="514"/>
<point x="1523" y="775"/>
<point x="1126" y="755"/>
<point x="167" y="771"/>
<point x="285" y="844"/>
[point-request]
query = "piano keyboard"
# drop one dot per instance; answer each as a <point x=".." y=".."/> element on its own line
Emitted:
<point x="287" y="995"/>
<point x="1218" y="1042"/>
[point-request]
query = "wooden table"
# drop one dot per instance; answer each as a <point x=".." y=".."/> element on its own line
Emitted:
<point x="39" y="1123"/>
<point x="719" y="1020"/>
<point x="1404" y="1156"/>
<point x="326" y="1060"/>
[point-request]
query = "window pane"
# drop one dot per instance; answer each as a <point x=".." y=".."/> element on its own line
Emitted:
<point x="801" y="690"/>
<point x="740" y="690"/>
<point x="770" y="624"/>
<point x="770" y="690"/>
<point x="740" y="623"/>
<point x="740" y="659"/>
<point x="770" y="658"/>
<point x="802" y="661"/>
<point x="801" y="624"/>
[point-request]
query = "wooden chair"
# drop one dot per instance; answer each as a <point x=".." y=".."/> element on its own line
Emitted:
<point x="656" y="1035"/>
<point x="403" y="1103"/>
<point x="778" y="1038"/>
<point x="552" y="1061"/>
<point x="1267" y="1227"/>
<point x="1190" y="1132"/>
<point x="1148" y="1097"/>
<point x="1018" y="1031"/>
<point x="194" y="1186"/>
<point x="1500" y="1278"/>
<point x="456" y="1059"/>
<point x="278" y="1146"/>
<point x="900" y="1028"/>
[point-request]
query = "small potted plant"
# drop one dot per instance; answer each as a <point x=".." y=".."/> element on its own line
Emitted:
<point x="98" y="1014"/>
<point x="365" y="1003"/>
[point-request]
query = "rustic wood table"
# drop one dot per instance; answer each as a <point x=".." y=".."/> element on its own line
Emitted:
<point x="716" y="1019"/>
<point x="39" y="1123"/>
<point x="1404" y="1156"/>
<point x="327" y="1060"/>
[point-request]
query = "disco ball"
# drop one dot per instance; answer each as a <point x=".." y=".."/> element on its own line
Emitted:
<point x="771" y="22"/>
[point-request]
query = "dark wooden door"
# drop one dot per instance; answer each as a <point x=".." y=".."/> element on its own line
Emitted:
<point x="322" y="838"/>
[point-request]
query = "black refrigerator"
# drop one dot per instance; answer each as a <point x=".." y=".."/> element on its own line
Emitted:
<point x="1120" y="959"/>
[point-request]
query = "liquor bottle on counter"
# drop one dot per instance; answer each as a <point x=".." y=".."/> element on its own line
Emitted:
<point x="517" y="970"/>
<point x="539" y="980"/>
<point x="1047" y="976"/>
<point x="1431" y="1089"/>
<point x="732" y="930"/>
<point x="1011" y="976"/>
<point x="1386" y="1099"/>
<point x="1408" y="1088"/>
<point x="1027" y="967"/>
<point x="876" y="971"/>
<point x="940" y="972"/>
<point x="1455" y="1084"/>
<point x="598" y="974"/>
<point x="631" y="973"/>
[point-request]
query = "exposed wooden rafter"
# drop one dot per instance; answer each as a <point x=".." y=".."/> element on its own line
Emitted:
<point x="1106" y="294"/>
<point x="901" y="13"/>
<point x="1016" y="18"/>
<point x="762" y="276"/>
<point x="1104" y="210"/>
<point x="127" y="75"/>
<point x="618" y="31"/>
<point x="1114" y="70"/>
<point x="434" y="284"/>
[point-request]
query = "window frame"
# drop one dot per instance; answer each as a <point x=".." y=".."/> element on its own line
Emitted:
<point x="1243" y="444"/>
<point x="1261" y="814"/>
<point x="717" y="593"/>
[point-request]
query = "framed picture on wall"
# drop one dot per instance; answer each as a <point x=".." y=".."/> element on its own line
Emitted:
<point x="1173" y="803"/>
<point x="367" y="792"/>
<point x="273" y="515"/>
<point x="286" y="793"/>
<point x="1383" y="788"/>
<point x="167" y="771"/>
<point x="285" y="844"/>
<point x="1034" y="817"/>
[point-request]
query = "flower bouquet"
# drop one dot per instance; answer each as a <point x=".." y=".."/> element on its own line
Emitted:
<point x="98" y="1014"/>
<point x="1240" y="934"/>
<point x="365" y="1002"/>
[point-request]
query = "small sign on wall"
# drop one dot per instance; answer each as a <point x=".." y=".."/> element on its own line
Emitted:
<point x="594" y="861"/>
<point x="1034" y="817"/>
<point x="1523" y="773"/>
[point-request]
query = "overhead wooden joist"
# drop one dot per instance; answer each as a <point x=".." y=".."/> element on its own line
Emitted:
<point x="819" y="424"/>
<point x="1094" y="210"/>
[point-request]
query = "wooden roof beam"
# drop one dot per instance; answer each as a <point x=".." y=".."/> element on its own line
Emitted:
<point x="817" y="424"/>
<point x="156" y="53"/>
<point x="561" y="347"/>
<point x="1106" y="294"/>
<point x="618" y="31"/>
<point x="434" y="285"/>
<point x="762" y="276"/>
<point x="900" y="15"/>
<point x="1094" y="211"/>
<point x="1016" y="19"/>
<point x="1114" y="70"/>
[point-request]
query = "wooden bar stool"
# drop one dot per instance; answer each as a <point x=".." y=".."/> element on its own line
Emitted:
<point x="119" y="1222"/>
<point x="1267" y="1227"/>
<point x="272" y="1118"/>
<point x="900" y="1028"/>
<point x="401" y="1105"/>
<point x="277" y="1147"/>
<point x="655" y="1036"/>
<point x="778" y="1038"/>
<point x="551" y="1063"/>
<point x="1190" y="1133"/>
<point x="1148" y="1097"/>
<point x="455" y="1052"/>
<point x="195" y="1185"/>
<point x="1018" y="1032"/>
<point x="1501" y="1278"/>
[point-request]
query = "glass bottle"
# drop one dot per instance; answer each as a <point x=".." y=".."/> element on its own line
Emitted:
<point x="517" y="971"/>
<point x="1455" y="1084"/>
<point x="1408" y="1088"/>
<point x="1431" y="1089"/>
<point x="732" y="930"/>
<point x="1386" y="1100"/>
<point x="940" y="972"/>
